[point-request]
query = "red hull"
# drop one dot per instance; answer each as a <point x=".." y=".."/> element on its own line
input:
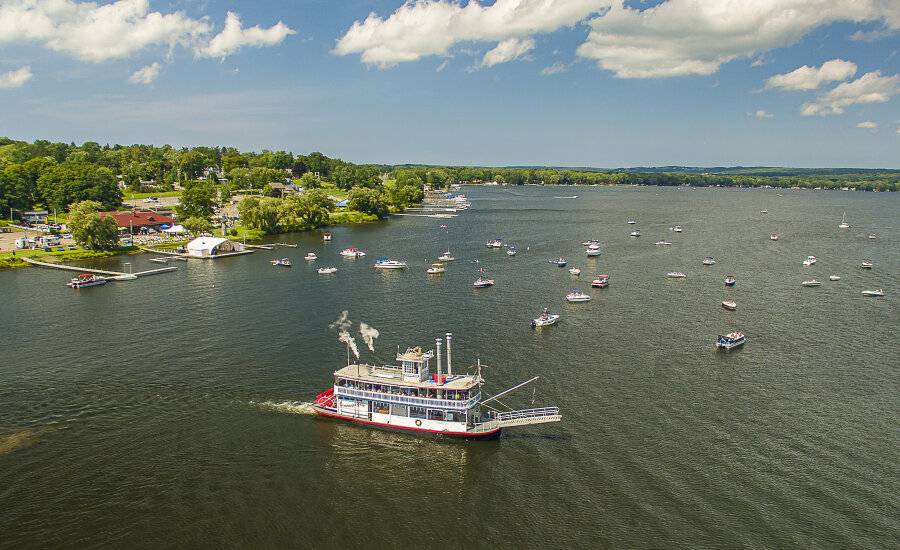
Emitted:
<point x="465" y="435"/>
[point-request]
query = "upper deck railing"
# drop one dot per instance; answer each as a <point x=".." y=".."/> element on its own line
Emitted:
<point x="455" y="404"/>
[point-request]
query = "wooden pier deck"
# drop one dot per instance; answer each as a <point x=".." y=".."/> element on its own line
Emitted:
<point x="110" y="275"/>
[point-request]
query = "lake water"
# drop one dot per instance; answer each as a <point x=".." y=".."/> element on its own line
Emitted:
<point x="162" y="411"/>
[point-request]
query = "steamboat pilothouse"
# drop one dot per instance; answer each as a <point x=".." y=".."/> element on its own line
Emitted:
<point x="410" y="397"/>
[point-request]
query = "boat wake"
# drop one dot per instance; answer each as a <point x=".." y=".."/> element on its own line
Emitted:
<point x="290" y="407"/>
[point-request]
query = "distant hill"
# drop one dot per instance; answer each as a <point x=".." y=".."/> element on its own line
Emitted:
<point x="726" y="170"/>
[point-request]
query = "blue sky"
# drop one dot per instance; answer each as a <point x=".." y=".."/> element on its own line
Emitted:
<point x="644" y="83"/>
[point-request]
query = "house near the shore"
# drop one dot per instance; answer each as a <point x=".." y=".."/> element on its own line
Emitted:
<point x="141" y="221"/>
<point x="35" y="216"/>
<point x="210" y="247"/>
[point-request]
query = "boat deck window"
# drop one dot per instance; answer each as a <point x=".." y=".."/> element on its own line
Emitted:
<point x="417" y="412"/>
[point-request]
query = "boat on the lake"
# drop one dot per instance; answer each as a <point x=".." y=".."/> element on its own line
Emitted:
<point x="635" y="233"/>
<point x="386" y="263"/>
<point x="574" y="271"/>
<point x="409" y="396"/>
<point x="84" y="280"/>
<point x="867" y="264"/>
<point x="577" y="296"/>
<point x="773" y="237"/>
<point x="591" y="242"/>
<point x="494" y="243"/>
<point x="436" y="269"/>
<point x="482" y="281"/>
<point x="810" y="260"/>
<point x="310" y="256"/>
<point x="675" y="275"/>
<point x="874" y="293"/>
<point x="560" y="262"/>
<point x="730" y="340"/>
<point x="602" y="281"/>
<point x="663" y="243"/>
<point x="352" y="252"/>
<point x="763" y="211"/>
<point x="677" y="229"/>
<point x="730" y="305"/>
<point x="326" y="270"/>
<point x="545" y="319"/>
<point x="709" y="260"/>
<point x="873" y="236"/>
<point x="446" y="256"/>
<point x="326" y="237"/>
<point x="811" y="282"/>
<point x="284" y="262"/>
<point x="592" y="252"/>
<point x="631" y="221"/>
<point x="844" y="224"/>
<point x="730" y="280"/>
<point x="511" y="251"/>
<point x="834" y="278"/>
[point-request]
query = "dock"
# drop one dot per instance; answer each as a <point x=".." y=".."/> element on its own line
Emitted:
<point x="110" y="275"/>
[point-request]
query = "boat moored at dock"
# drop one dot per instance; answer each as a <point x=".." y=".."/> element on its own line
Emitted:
<point x="409" y="397"/>
<point x="85" y="280"/>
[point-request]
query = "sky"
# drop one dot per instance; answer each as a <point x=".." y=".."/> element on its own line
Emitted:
<point x="601" y="83"/>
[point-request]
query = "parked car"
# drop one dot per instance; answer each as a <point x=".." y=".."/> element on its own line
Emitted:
<point x="151" y="200"/>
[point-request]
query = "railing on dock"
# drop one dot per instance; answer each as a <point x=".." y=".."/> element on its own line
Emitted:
<point x="524" y="417"/>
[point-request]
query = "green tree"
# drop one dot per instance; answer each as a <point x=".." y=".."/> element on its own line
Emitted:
<point x="306" y="210"/>
<point x="309" y="181"/>
<point x="63" y="184"/>
<point x="197" y="225"/>
<point x="262" y="214"/>
<point x="198" y="199"/>
<point x="91" y="230"/>
<point x="368" y="201"/>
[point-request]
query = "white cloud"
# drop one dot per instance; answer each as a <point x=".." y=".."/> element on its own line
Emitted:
<point x="868" y="125"/>
<point x="872" y="36"/>
<point x="694" y="37"/>
<point x="507" y="50"/>
<point x="810" y="78"/>
<point x="431" y="27"/>
<point x="443" y="65"/>
<point x="145" y="75"/>
<point x="869" y="88"/>
<point x="15" y="79"/>
<point x="760" y="114"/>
<point x="233" y="37"/>
<point x="95" y="32"/>
<point x="556" y="68"/>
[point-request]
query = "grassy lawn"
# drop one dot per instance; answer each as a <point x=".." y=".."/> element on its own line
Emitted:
<point x="351" y="217"/>
<point x="128" y="195"/>
<point x="8" y="261"/>
<point x="246" y="233"/>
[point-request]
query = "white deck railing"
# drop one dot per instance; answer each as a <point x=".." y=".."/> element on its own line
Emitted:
<point x="427" y="402"/>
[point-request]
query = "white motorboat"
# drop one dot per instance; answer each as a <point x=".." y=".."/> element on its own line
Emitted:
<point x="810" y="260"/>
<point x="635" y="233"/>
<point x="482" y="282"/>
<point x="844" y="224"/>
<point x="574" y="271"/>
<point x="545" y="319"/>
<point x="311" y="256"/>
<point x="675" y="275"/>
<point x="511" y="251"/>
<point x="763" y="211"/>
<point x="602" y="281"/>
<point x="730" y="280"/>
<point x="873" y="236"/>
<point x="436" y="269"/>
<point x="85" y="280"/>
<point x="446" y="256"/>
<point x="494" y="243"/>
<point x="730" y="305"/>
<point x="591" y="242"/>
<point x="677" y="229"/>
<point x="834" y="278"/>
<point x="867" y="264"/>
<point x="773" y="237"/>
<point x="709" y="260"/>
<point x="284" y="262"/>
<point x="730" y="340"/>
<point x="811" y="282"/>
<point x="326" y="237"/>
<point x="560" y="262"/>
<point x="578" y="296"/>
<point x="873" y="293"/>
<point x="631" y="221"/>
<point x="385" y="263"/>
<point x="326" y="270"/>
<point x="663" y="243"/>
<point x="592" y="252"/>
<point x="352" y="252"/>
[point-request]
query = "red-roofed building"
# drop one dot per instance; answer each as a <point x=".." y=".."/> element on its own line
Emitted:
<point x="137" y="220"/>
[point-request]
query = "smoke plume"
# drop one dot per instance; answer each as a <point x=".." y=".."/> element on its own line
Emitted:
<point x="369" y="334"/>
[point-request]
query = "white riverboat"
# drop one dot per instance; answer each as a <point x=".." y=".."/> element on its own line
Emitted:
<point x="409" y="397"/>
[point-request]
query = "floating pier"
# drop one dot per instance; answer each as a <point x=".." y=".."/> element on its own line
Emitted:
<point x="110" y="275"/>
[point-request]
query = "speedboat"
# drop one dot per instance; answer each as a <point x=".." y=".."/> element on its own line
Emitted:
<point x="663" y="243"/>
<point x="352" y="252"/>
<point x="592" y="252"/>
<point x="282" y="262"/>
<point x="482" y="282"/>
<point x="631" y="221"/>
<point x="773" y="237"/>
<point x="730" y="340"/>
<point x="635" y="233"/>
<point x="867" y="264"/>
<point x="810" y="260"/>
<point x="444" y="226"/>
<point x="446" y="256"/>
<point x="677" y="229"/>
<point x="709" y="260"/>
<point x="675" y="275"/>
<point x="844" y="224"/>
<point x="85" y="280"/>
<point x="326" y="237"/>
<point x="602" y="281"/>
<point x="495" y="243"/>
<point x="384" y="263"/>
<point x="545" y="319"/>
<point x="873" y="236"/>
<point x="436" y="269"/>
<point x="811" y="282"/>
<point x="730" y="305"/>
<point x="591" y="242"/>
<point x="311" y="256"/>
<point x="511" y="251"/>
<point x="327" y="270"/>
<point x="560" y="262"/>
<point x="763" y="211"/>
<point x="834" y="278"/>
<point x="574" y="271"/>
<point x="873" y="293"/>
<point x="578" y="296"/>
<point x="730" y="280"/>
